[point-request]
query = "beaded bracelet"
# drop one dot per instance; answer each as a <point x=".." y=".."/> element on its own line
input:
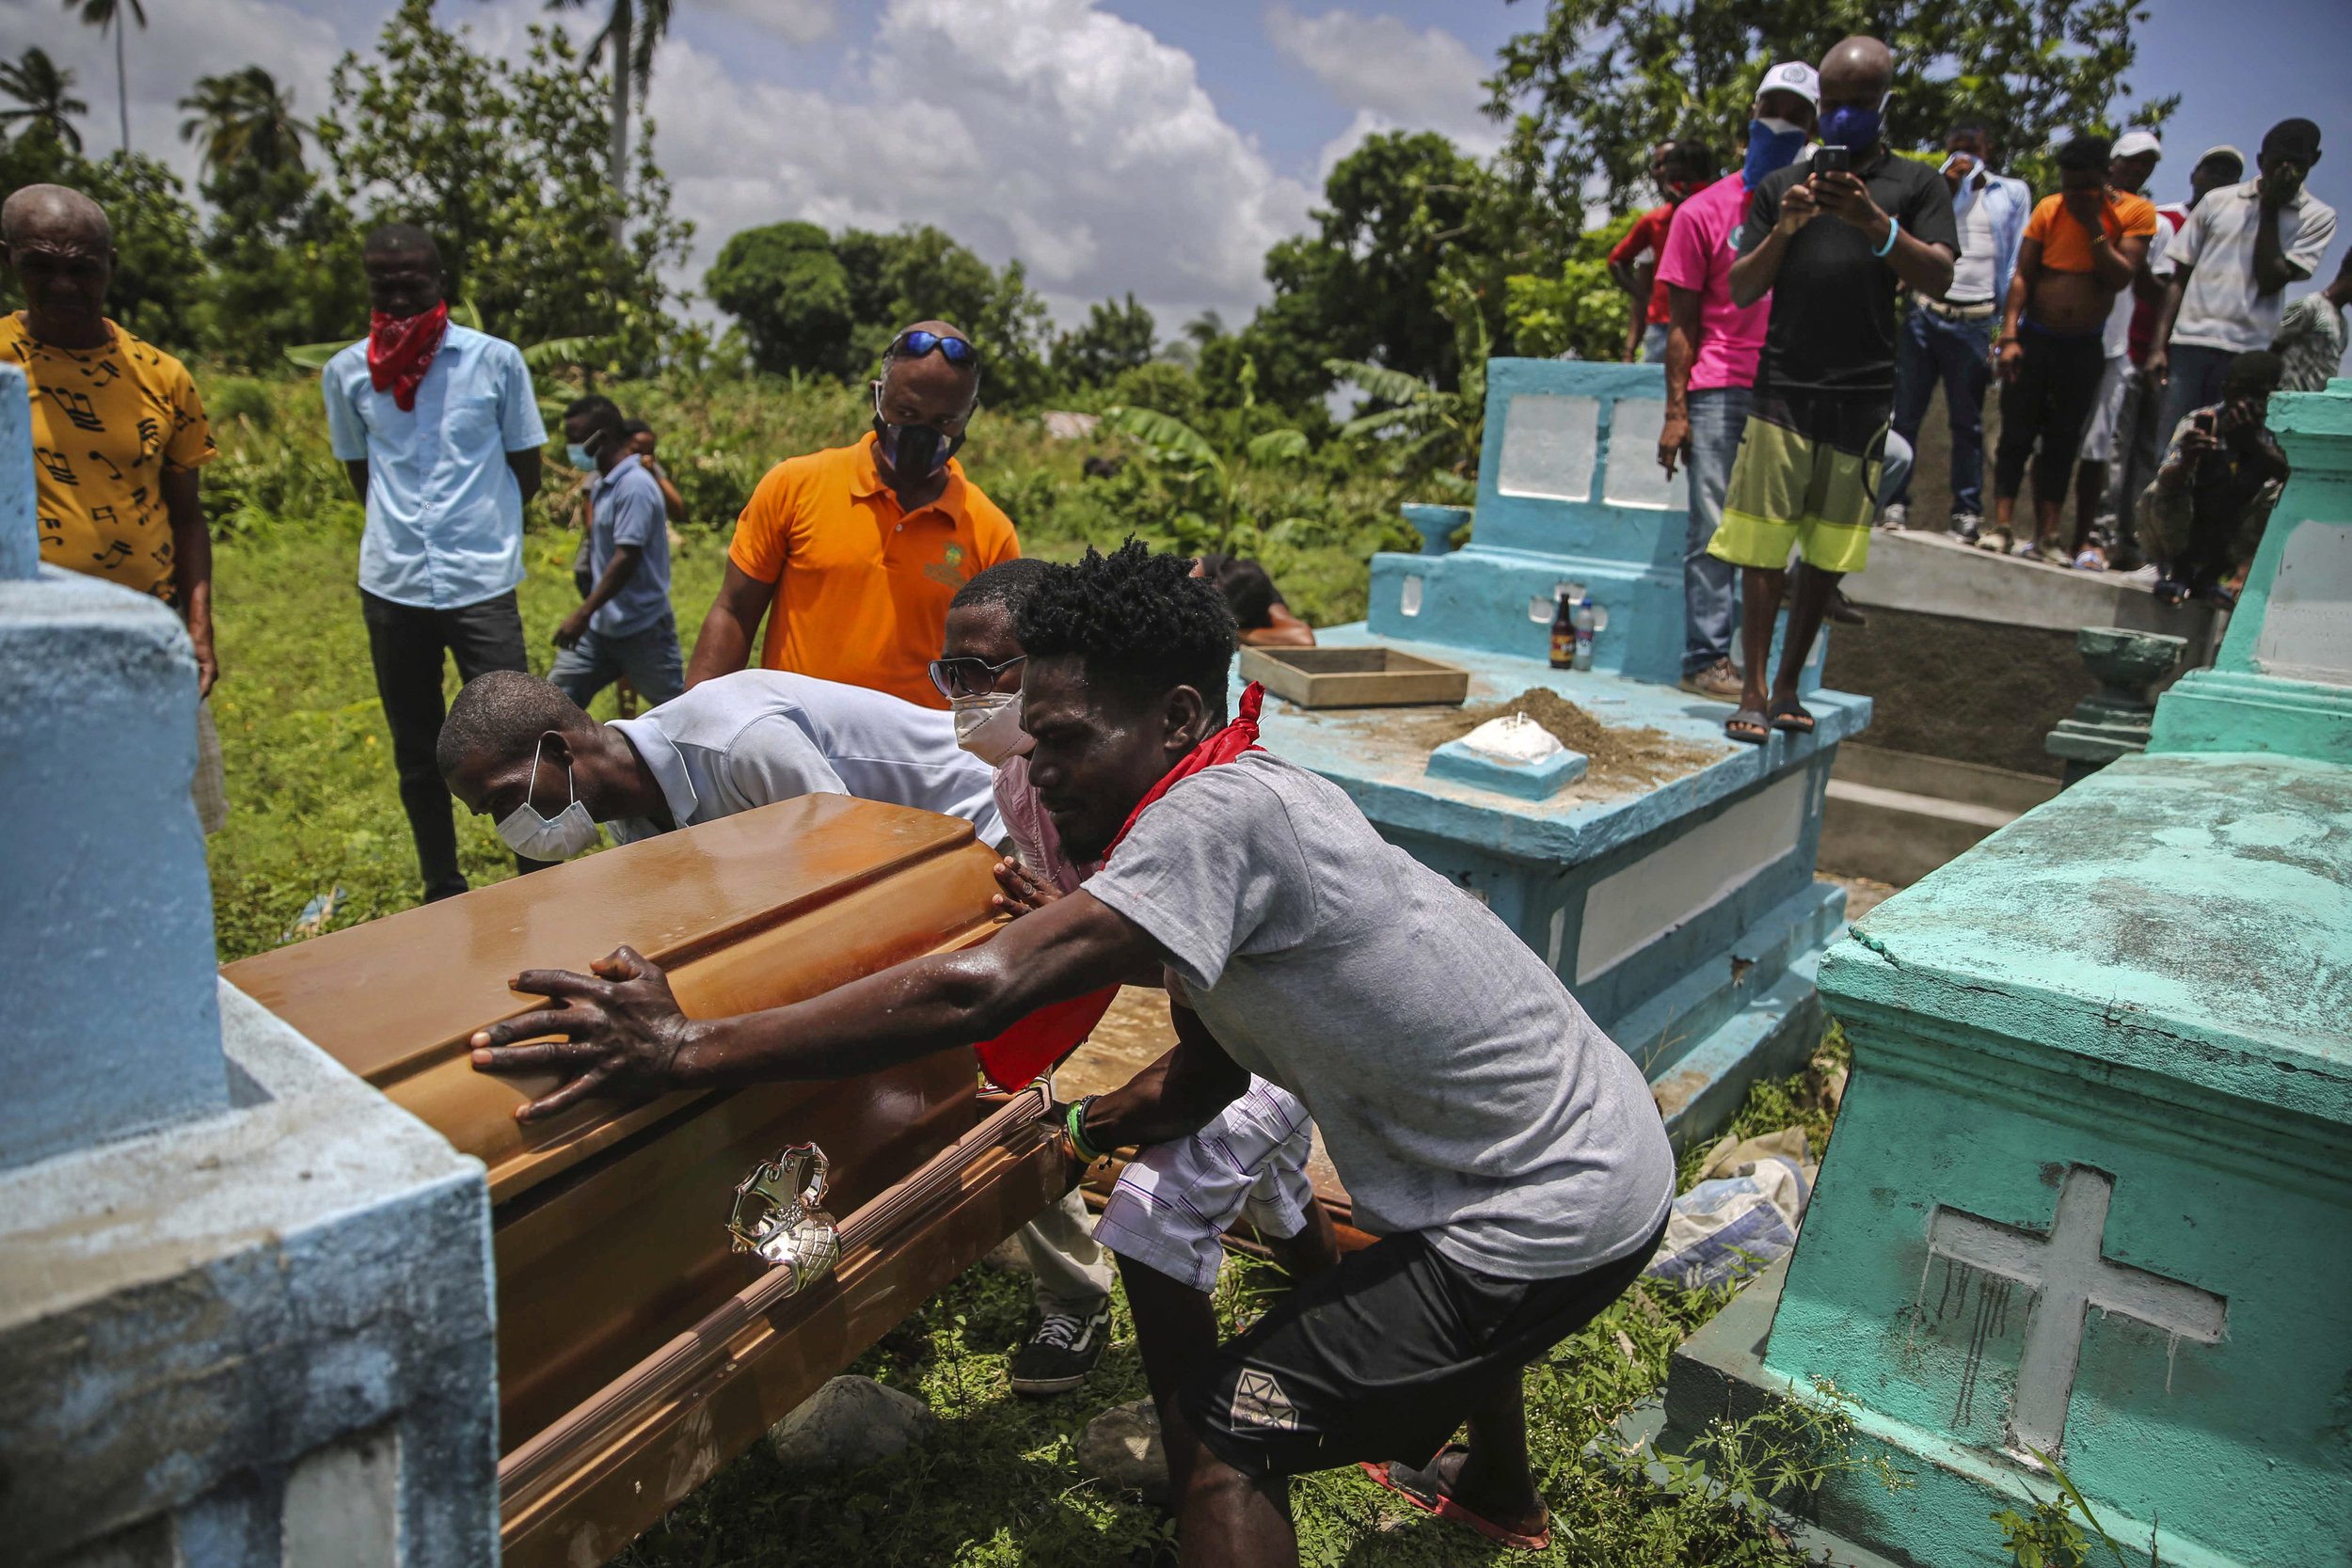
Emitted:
<point x="1894" y="227"/>
<point x="1073" y="1123"/>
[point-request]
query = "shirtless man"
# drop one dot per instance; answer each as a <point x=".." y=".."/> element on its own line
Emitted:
<point x="2082" y="249"/>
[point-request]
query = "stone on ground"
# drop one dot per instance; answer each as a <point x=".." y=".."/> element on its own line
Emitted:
<point x="848" y="1424"/>
<point x="1121" y="1449"/>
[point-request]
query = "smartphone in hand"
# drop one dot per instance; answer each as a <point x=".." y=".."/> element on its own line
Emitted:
<point x="1833" y="160"/>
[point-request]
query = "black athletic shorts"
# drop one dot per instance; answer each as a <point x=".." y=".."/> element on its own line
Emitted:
<point x="1385" y="1355"/>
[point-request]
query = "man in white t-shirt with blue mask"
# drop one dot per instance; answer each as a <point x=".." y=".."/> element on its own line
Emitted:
<point x="1504" y="1149"/>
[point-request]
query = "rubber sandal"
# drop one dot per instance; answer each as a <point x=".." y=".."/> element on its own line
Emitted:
<point x="1792" y="716"/>
<point x="1420" y="1489"/>
<point x="1748" y="727"/>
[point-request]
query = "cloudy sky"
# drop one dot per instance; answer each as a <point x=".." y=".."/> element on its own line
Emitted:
<point x="1157" y="145"/>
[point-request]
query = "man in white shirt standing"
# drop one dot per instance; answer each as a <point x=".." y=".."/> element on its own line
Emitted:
<point x="520" y="751"/>
<point x="1950" y="339"/>
<point x="438" y="428"/>
<point x="2231" y="265"/>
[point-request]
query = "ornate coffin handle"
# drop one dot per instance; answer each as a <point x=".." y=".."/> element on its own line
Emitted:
<point x="783" y="1224"/>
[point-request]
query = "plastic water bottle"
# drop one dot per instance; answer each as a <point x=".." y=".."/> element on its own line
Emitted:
<point x="1581" y="620"/>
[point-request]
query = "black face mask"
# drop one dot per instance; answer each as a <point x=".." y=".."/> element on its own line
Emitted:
<point x="915" y="453"/>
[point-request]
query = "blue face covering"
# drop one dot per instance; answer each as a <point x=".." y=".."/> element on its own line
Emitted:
<point x="1772" y="144"/>
<point x="1851" y="125"/>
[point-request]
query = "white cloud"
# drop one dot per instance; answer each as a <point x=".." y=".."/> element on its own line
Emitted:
<point x="1044" y="130"/>
<point x="793" y="21"/>
<point x="181" y="43"/>
<point x="1393" y="75"/>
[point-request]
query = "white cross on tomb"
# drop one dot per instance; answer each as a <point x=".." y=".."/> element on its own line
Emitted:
<point x="2069" y="1276"/>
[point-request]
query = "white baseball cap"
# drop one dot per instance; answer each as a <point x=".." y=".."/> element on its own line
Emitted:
<point x="1793" y="76"/>
<point x="2130" y="143"/>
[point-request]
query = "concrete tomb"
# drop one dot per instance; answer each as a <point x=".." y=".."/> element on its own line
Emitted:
<point x="244" y="1300"/>
<point x="1672" y="890"/>
<point x="2086" y="1205"/>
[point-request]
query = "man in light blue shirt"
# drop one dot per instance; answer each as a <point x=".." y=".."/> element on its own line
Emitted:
<point x="1950" y="339"/>
<point x="440" y="431"/>
<point x="625" y="626"/>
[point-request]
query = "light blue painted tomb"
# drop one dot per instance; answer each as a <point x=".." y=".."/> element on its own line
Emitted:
<point x="1683" y="912"/>
<point x="2090" y="1193"/>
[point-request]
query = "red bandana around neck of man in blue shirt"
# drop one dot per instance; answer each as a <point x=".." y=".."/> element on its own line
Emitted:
<point x="401" y="350"/>
<point x="1051" y="1033"/>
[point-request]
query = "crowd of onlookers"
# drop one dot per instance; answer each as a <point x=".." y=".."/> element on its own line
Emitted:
<point x="1807" y="306"/>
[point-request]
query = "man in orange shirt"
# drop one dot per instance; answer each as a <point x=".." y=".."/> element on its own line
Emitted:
<point x="2082" y="247"/>
<point x="859" y="548"/>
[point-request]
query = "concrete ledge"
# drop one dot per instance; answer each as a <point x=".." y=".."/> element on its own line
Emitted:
<point x="191" y="1316"/>
<point x="1934" y="574"/>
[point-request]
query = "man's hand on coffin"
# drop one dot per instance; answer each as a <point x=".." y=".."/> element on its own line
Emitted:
<point x="1022" y="891"/>
<point x="623" y="1032"/>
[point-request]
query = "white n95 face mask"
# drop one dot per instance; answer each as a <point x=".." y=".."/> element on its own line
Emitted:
<point x="988" y="726"/>
<point x="548" y="838"/>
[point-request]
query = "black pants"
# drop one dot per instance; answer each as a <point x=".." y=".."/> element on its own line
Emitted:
<point x="2050" y="401"/>
<point x="406" y="644"/>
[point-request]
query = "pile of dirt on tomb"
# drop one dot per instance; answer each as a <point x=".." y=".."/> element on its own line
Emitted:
<point x="1619" y="754"/>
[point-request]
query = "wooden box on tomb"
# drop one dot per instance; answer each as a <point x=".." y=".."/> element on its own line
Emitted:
<point x="637" y="1353"/>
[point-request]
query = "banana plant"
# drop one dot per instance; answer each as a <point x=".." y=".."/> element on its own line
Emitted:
<point x="1438" y="432"/>
<point x="1211" y="482"/>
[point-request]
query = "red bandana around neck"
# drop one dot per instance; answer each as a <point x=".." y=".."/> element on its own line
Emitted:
<point x="401" y="350"/>
<point x="1053" y="1032"/>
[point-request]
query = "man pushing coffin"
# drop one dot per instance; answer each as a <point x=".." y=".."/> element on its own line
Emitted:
<point x="1504" y="1147"/>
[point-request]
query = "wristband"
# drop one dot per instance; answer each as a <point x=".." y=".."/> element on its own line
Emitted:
<point x="1894" y="227"/>
<point x="1073" y="1124"/>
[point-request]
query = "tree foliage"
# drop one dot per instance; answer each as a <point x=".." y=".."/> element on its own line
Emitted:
<point x="1601" y="81"/>
<point x="159" y="273"/>
<point x="503" y="161"/>
<point x="243" y="117"/>
<point x="44" y="94"/>
<point x="822" y="305"/>
<point x="1114" y="339"/>
<point x="788" y="291"/>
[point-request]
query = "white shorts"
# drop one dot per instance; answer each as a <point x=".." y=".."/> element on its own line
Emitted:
<point x="2098" y="434"/>
<point x="1174" y="1201"/>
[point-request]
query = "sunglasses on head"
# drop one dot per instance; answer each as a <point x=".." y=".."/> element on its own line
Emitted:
<point x="914" y="345"/>
<point x="968" y="677"/>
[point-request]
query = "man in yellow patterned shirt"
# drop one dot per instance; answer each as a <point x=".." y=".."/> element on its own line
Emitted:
<point x="118" y="433"/>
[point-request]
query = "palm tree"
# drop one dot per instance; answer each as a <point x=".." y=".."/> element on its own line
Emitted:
<point x="631" y="32"/>
<point x="243" y="117"/>
<point x="103" y="15"/>
<point x="34" y="81"/>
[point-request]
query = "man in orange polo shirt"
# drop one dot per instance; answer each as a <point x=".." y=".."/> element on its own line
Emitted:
<point x="859" y="548"/>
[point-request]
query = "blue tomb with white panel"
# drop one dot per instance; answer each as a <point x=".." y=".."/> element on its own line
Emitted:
<point x="1683" y="911"/>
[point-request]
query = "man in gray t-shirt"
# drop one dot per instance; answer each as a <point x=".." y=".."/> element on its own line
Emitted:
<point x="1508" y="1150"/>
<point x="1461" y="1091"/>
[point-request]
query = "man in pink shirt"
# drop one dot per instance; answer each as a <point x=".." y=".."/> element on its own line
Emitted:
<point x="1711" y="349"/>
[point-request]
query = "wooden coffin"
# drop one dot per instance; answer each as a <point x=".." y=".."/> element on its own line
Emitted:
<point x="636" y="1351"/>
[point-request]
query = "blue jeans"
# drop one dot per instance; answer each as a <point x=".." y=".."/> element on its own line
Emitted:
<point x="649" y="659"/>
<point x="1959" y="353"/>
<point x="1711" y="588"/>
<point x="1654" y="343"/>
<point x="2196" y="381"/>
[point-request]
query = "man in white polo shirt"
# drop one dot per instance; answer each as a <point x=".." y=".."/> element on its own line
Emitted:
<point x="520" y="751"/>
<point x="2230" y="264"/>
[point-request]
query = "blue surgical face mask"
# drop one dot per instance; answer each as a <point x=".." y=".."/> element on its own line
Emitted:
<point x="579" y="456"/>
<point x="1851" y="125"/>
<point x="1772" y="144"/>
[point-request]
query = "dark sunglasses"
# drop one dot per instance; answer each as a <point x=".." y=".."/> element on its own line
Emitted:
<point x="968" y="677"/>
<point x="917" y="344"/>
